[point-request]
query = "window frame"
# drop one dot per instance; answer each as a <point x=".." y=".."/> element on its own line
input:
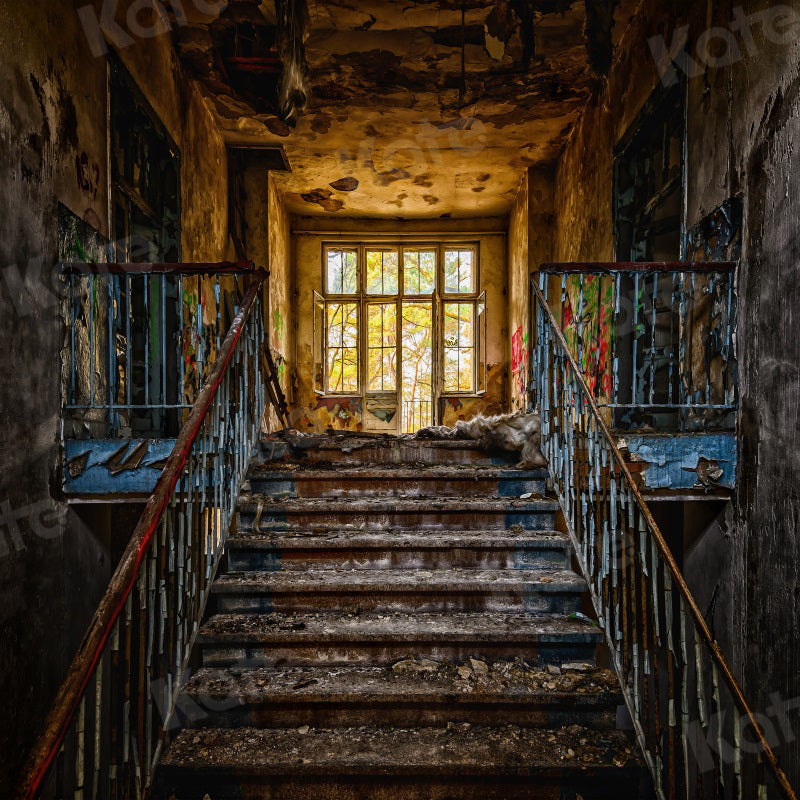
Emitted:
<point x="438" y="298"/>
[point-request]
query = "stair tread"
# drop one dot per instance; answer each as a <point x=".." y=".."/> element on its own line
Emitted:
<point x="250" y="502"/>
<point x="305" y="536"/>
<point x="446" y="626"/>
<point x="318" y="579"/>
<point x="471" y="749"/>
<point x="411" y="472"/>
<point x="409" y="681"/>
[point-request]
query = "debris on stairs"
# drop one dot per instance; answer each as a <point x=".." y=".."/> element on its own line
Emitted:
<point x="396" y="622"/>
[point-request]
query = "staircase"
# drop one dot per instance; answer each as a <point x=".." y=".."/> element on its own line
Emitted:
<point x="396" y="621"/>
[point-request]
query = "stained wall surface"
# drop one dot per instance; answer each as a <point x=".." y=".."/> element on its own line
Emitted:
<point x="530" y="243"/>
<point x="54" y="566"/>
<point x="740" y="63"/>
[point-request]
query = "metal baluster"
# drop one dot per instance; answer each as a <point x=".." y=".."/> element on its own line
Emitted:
<point x="182" y="345"/>
<point x="98" y="726"/>
<point x="80" y="750"/>
<point x="730" y="383"/>
<point x="128" y="344"/>
<point x="653" y="339"/>
<point x="672" y="721"/>
<point x="164" y="398"/>
<point x="91" y="340"/>
<point x="635" y="365"/>
<point x="146" y="284"/>
<point x="73" y="319"/>
<point x="615" y="341"/>
<point x="684" y="695"/>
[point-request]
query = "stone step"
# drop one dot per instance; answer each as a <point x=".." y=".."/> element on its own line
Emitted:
<point x="398" y="481"/>
<point x="301" y="548"/>
<point x="459" y="761"/>
<point x="348" y="448"/>
<point x="444" y="512"/>
<point x="372" y="638"/>
<point x="412" y="692"/>
<point x="534" y="591"/>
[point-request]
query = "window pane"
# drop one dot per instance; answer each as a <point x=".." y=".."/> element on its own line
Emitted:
<point x="382" y="347"/>
<point x="342" y="272"/>
<point x="382" y="271"/>
<point x="459" y="271"/>
<point x="459" y="347"/>
<point x="419" y="271"/>
<point x="417" y="351"/>
<point x="342" y="333"/>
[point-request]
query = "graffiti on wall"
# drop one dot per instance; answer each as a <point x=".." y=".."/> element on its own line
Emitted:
<point x="587" y="322"/>
<point x="519" y="359"/>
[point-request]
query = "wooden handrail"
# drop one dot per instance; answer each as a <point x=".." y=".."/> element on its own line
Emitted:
<point x="606" y="267"/>
<point x="733" y="685"/>
<point x="127" y="571"/>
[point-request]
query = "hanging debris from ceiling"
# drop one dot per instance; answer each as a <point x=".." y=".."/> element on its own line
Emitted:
<point x="292" y="17"/>
<point x="599" y="24"/>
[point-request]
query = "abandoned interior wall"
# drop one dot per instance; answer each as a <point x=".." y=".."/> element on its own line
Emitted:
<point x="743" y="118"/>
<point x="282" y="319"/>
<point x="518" y="295"/>
<point x="313" y="412"/>
<point x="269" y="246"/>
<point x="530" y="244"/>
<point x="53" y="565"/>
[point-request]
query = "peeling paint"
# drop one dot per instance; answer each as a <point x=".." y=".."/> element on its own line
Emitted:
<point x="672" y="461"/>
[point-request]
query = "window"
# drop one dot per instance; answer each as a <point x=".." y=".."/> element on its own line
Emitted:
<point x="459" y="346"/>
<point x="400" y="321"/>
<point x="459" y="271"/>
<point x="381" y="347"/>
<point x="342" y="335"/>
<point x="382" y="271"/>
<point x="419" y="272"/>
<point x="342" y="272"/>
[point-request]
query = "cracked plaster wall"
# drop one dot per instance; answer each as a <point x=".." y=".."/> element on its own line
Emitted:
<point x="530" y="236"/>
<point x="53" y="111"/>
<point x="743" y="123"/>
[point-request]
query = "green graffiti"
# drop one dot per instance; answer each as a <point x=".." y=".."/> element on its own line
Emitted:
<point x="279" y="325"/>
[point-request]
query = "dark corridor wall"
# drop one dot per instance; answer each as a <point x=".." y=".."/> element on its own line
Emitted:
<point x="741" y="61"/>
<point x="54" y="565"/>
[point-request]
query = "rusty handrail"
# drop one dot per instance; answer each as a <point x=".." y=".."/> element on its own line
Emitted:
<point x="664" y="552"/>
<point x="159" y="268"/>
<point x="605" y="267"/>
<point x="128" y="570"/>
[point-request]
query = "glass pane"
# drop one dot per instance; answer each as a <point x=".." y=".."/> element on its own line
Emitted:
<point x="417" y="354"/>
<point x="459" y="347"/>
<point x="459" y="271"/>
<point x="382" y="268"/>
<point x="419" y="271"/>
<point x="381" y="347"/>
<point x="342" y="272"/>
<point x="342" y="333"/>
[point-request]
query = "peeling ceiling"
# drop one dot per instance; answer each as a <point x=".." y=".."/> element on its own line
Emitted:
<point x="415" y="109"/>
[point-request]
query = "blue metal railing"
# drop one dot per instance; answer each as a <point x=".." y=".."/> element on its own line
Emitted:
<point x="105" y="731"/>
<point x="655" y="341"/>
<point x="140" y="341"/>
<point x="698" y="735"/>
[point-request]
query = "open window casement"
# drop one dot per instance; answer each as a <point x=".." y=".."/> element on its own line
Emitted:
<point x="320" y="359"/>
<point x="481" y="365"/>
